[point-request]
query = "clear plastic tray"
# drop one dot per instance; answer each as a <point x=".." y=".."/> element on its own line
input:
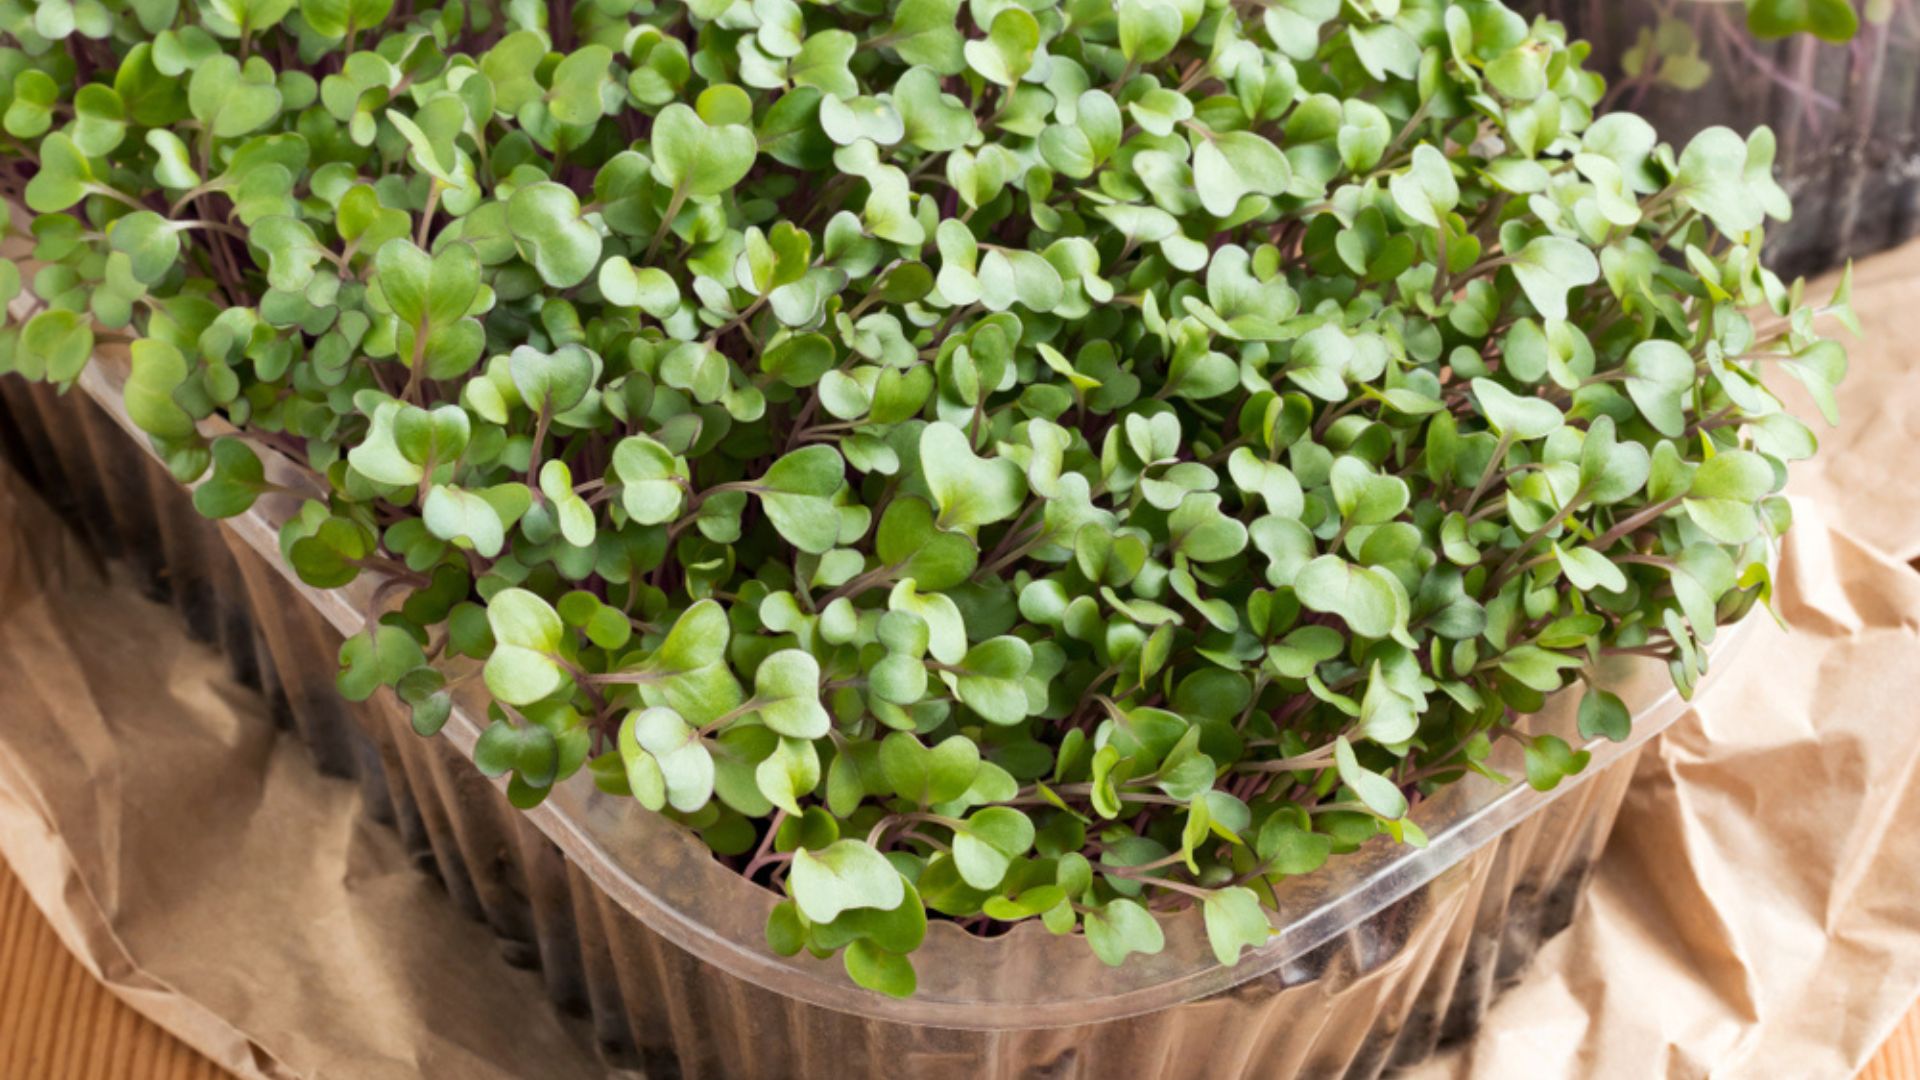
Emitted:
<point x="1375" y="958"/>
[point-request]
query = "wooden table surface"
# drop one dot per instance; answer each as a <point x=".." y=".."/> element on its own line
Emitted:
<point x="57" y="1023"/>
<point x="1899" y="1058"/>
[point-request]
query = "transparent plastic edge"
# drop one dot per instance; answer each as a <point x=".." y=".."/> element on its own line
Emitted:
<point x="1459" y="821"/>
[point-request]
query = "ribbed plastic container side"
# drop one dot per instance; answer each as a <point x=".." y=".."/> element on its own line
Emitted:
<point x="1384" y="992"/>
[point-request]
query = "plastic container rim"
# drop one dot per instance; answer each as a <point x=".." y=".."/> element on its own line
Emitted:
<point x="621" y="847"/>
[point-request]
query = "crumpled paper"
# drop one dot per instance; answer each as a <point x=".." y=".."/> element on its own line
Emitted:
<point x="1864" y="474"/>
<point x="195" y="861"/>
<point x="1753" y="914"/>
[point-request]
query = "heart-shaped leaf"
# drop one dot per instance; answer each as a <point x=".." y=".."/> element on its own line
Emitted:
<point x="1231" y="165"/>
<point x="1006" y="54"/>
<point x="797" y="492"/>
<point x="652" y="479"/>
<point x="238" y="479"/>
<point x="546" y="225"/>
<point x="1520" y="418"/>
<point x="969" y="491"/>
<point x="988" y="843"/>
<point x="1548" y="268"/>
<point x="1362" y="596"/>
<point x="1234" y="921"/>
<point x="528" y="635"/>
<point x="694" y="158"/>
<point x="667" y="763"/>
<point x="787" y="686"/>
<point x="909" y="539"/>
<point x="844" y="875"/>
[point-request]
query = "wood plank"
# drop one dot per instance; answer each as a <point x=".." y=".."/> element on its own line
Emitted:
<point x="58" y="1023"/>
<point x="1899" y="1056"/>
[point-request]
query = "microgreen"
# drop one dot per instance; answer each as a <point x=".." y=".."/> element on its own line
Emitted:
<point x="1061" y="460"/>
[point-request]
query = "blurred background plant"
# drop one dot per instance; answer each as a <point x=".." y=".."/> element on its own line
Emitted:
<point x="1838" y="81"/>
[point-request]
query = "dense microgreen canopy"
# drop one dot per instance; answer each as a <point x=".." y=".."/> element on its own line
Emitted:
<point x="1045" y="459"/>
